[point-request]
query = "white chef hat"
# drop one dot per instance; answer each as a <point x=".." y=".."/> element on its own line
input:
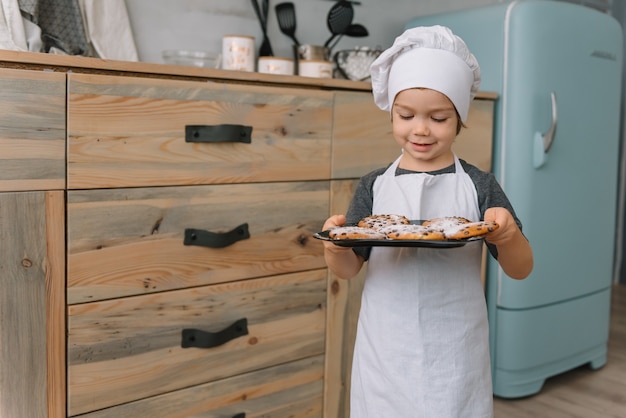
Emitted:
<point x="431" y="57"/>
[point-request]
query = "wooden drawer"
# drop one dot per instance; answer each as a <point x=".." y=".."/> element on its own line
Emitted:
<point x="32" y="130"/>
<point x="127" y="132"/>
<point x="362" y="144"/>
<point x="362" y="136"/>
<point x="128" y="349"/>
<point x="131" y="241"/>
<point x="289" y="390"/>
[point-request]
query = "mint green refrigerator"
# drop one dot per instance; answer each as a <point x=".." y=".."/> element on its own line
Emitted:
<point x="557" y="68"/>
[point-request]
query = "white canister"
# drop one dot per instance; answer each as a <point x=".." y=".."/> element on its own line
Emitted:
<point x="238" y="52"/>
<point x="315" y="68"/>
<point x="275" y="65"/>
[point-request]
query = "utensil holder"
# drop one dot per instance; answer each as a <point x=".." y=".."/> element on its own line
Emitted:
<point x="308" y="52"/>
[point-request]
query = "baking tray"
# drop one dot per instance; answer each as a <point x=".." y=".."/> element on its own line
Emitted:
<point x="362" y="242"/>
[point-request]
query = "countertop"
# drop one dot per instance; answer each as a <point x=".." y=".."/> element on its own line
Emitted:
<point x="51" y="62"/>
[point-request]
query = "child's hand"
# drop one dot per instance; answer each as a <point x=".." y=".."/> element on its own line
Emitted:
<point x="508" y="228"/>
<point x="342" y="261"/>
<point x="515" y="255"/>
<point x="333" y="221"/>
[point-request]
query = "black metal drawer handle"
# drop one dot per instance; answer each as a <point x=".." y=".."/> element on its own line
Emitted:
<point x="216" y="239"/>
<point x="241" y="415"/>
<point x="218" y="133"/>
<point x="192" y="337"/>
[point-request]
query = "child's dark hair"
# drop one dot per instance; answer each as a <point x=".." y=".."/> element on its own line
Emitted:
<point x="459" y="123"/>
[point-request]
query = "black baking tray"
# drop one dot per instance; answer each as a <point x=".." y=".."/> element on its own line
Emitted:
<point x="362" y="242"/>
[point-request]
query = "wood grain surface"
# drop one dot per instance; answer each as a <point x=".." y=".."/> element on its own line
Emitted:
<point x="289" y="390"/>
<point x="130" y="241"/>
<point x="32" y="130"/>
<point x="126" y="132"/>
<point x="130" y="348"/>
<point x="55" y="303"/>
<point x="32" y="305"/>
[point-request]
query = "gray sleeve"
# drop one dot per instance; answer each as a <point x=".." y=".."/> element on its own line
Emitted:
<point x="490" y="194"/>
<point x="362" y="204"/>
<point x="363" y="199"/>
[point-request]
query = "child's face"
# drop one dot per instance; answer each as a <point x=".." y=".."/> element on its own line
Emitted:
<point x="425" y="126"/>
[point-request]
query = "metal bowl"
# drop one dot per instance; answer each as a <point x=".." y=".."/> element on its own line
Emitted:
<point x="355" y="64"/>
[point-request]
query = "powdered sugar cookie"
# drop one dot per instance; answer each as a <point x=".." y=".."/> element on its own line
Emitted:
<point x="354" y="232"/>
<point x="412" y="232"/>
<point x="447" y="222"/>
<point x="381" y="221"/>
<point x="469" y="230"/>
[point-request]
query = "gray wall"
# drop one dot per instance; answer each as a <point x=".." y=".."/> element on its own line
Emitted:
<point x="200" y="24"/>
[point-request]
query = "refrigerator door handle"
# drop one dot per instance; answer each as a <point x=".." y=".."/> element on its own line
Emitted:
<point x="548" y="137"/>
<point x="543" y="142"/>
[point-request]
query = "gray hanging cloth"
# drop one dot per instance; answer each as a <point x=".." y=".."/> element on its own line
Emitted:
<point x="61" y="24"/>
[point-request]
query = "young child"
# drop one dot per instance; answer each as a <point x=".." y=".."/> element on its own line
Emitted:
<point x="422" y="346"/>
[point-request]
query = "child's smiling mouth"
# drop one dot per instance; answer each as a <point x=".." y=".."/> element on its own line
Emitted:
<point x="420" y="146"/>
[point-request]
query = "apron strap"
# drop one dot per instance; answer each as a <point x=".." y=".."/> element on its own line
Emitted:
<point x="391" y="171"/>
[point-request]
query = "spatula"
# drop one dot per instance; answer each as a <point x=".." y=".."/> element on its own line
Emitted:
<point x="286" y="15"/>
<point x="266" y="48"/>
<point x="355" y="30"/>
<point x="339" y="19"/>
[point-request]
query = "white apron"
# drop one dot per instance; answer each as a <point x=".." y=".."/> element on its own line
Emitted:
<point x="422" y="346"/>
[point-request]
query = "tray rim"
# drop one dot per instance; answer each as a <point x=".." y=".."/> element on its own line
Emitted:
<point x="364" y="242"/>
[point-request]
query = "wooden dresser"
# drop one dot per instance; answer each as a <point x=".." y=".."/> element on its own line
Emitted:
<point x="156" y="236"/>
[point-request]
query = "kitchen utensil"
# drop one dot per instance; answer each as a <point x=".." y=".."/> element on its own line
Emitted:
<point x="355" y="30"/>
<point x="286" y="15"/>
<point x="265" y="5"/>
<point x="339" y="19"/>
<point x="266" y="48"/>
